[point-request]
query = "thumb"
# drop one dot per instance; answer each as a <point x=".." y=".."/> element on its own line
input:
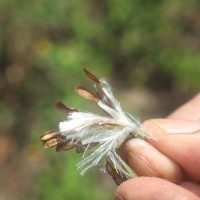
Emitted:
<point x="179" y="140"/>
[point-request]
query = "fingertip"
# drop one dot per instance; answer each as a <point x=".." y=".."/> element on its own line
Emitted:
<point x="146" y="160"/>
<point x="179" y="141"/>
<point x="151" y="130"/>
<point x="152" y="189"/>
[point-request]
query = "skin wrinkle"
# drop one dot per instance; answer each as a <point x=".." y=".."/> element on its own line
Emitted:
<point x="144" y="163"/>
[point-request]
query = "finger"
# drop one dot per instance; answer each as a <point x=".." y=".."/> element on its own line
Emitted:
<point x="189" y="110"/>
<point x="182" y="148"/>
<point x="149" y="188"/>
<point x="192" y="187"/>
<point x="146" y="160"/>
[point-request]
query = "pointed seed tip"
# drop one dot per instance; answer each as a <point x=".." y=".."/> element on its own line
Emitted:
<point x="64" y="108"/>
<point x="91" y="75"/>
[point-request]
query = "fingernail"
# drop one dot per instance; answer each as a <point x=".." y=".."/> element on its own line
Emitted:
<point x="118" y="198"/>
<point x="177" y="126"/>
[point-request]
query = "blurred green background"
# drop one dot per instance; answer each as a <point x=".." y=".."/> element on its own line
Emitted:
<point x="148" y="50"/>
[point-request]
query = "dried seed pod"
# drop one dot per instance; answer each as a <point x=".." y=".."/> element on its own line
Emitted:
<point x="50" y="143"/>
<point x="64" y="146"/>
<point x="91" y="76"/>
<point x="63" y="108"/>
<point x="49" y="135"/>
<point x="87" y="94"/>
<point x="113" y="173"/>
<point x="108" y="132"/>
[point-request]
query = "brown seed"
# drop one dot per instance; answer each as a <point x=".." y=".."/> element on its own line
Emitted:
<point x="99" y="95"/>
<point x="87" y="94"/>
<point x="91" y="76"/>
<point x="49" y="135"/>
<point x="63" y="108"/>
<point x="50" y="143"/>
<point x="112" y="172"/>
<point x="64" y="146"/>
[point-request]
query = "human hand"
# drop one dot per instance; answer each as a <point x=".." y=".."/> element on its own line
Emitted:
<point x="169" y="165"/>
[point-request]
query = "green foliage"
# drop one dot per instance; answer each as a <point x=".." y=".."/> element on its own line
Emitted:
<point x="66" y="183"/>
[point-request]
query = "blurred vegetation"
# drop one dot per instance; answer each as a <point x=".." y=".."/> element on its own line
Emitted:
<point x="43" y="47"/>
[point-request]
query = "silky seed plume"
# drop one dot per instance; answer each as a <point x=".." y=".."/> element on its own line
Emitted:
<point x="97" y="137"/>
